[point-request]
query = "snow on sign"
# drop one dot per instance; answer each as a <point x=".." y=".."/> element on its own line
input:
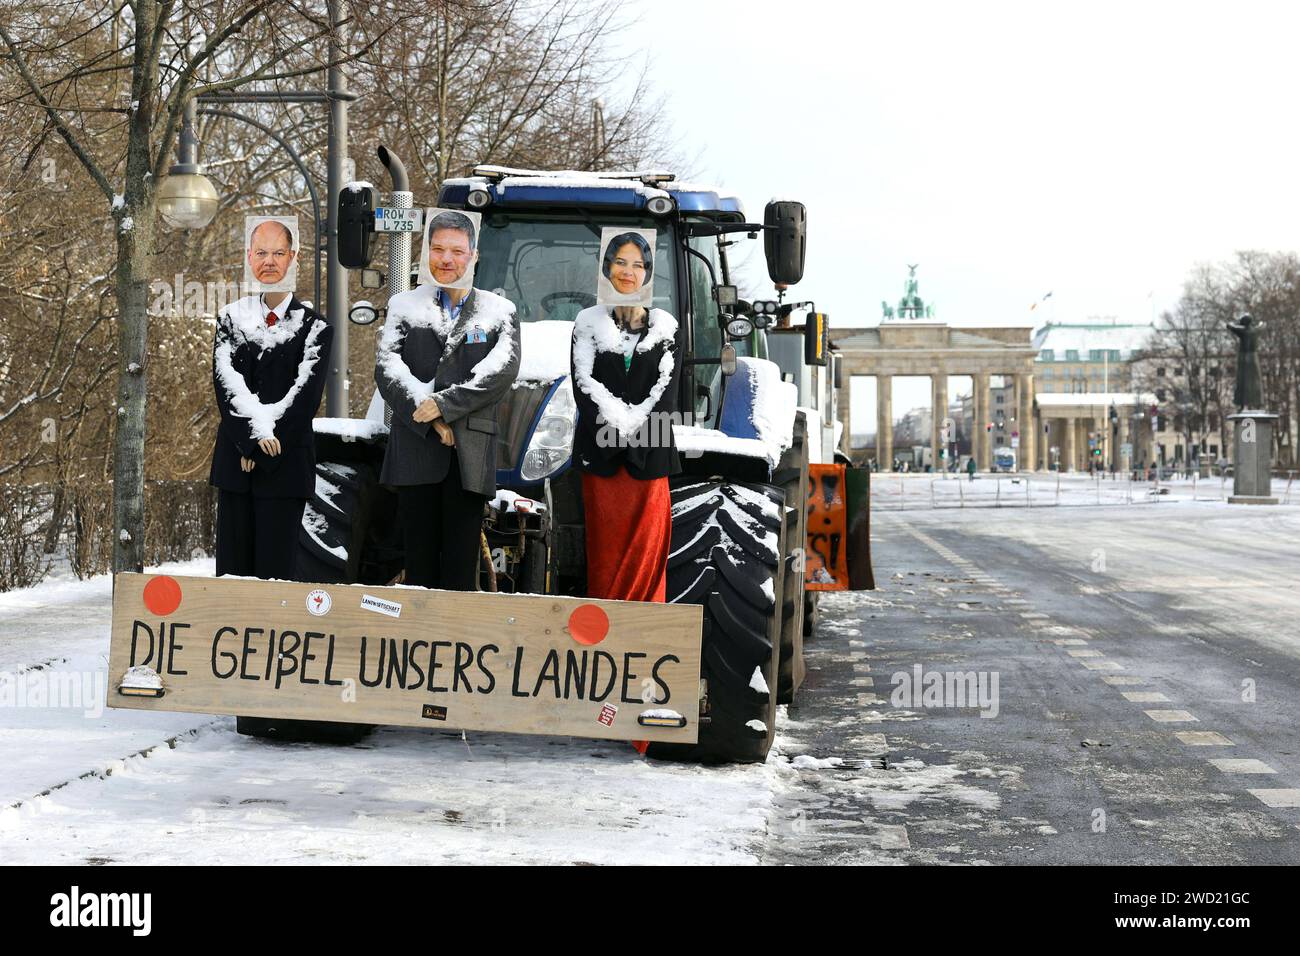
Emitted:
<point x="521" y="663"/>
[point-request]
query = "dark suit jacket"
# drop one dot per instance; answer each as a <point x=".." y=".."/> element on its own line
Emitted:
<point x="467" y="367"/>
<point x="268" y="382"/>
<point x="625" y="413"/>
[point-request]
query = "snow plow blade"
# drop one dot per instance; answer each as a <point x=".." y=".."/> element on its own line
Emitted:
<point x="839" y="538"/>
<point x="406" y="656"/>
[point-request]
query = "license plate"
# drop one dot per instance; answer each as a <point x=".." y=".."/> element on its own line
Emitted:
<point x="388" y="219"/>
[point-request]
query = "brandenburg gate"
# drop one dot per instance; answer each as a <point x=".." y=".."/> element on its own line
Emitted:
<point x="910" y="342"/>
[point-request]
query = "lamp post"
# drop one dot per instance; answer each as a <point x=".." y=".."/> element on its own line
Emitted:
<point x="302" y="168"/>
<point x="183" y="203"/>
<point x="186" y="198"/>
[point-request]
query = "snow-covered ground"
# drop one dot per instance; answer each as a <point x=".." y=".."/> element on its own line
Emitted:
<point x="83" y="783"/>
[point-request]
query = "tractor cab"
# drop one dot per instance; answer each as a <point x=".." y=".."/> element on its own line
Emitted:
<point x="539" y="247"/>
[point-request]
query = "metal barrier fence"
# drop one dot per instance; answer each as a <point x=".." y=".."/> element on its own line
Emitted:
<point x="902" y="492"/>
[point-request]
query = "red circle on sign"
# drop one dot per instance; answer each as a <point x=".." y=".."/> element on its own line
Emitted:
<point x="589" y="624"/>
<point x="162" y="595"/>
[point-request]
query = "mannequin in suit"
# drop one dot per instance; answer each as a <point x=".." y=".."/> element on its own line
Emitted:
<point x="446" y="357"/>
<point x="268" y="369"/>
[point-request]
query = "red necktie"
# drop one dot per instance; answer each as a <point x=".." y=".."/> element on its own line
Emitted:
<point x="270" y="318"/>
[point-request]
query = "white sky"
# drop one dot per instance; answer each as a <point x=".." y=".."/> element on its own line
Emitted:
<point x="1096" y="151"/>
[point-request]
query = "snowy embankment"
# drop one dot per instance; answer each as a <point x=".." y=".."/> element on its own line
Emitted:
<point x="76" y="787"/>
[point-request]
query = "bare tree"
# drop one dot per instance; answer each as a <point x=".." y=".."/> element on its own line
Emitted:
<point x="111" y="81"/>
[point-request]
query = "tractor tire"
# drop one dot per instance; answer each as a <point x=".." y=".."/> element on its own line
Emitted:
<point x="349" y="533"/>
<point x="792" y="621"/>
<point x="302" y="731"/>
<point x="727" y="542"/>
<point x="810" y="613"/>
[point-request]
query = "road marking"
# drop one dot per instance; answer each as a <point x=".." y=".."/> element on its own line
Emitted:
<point x="1069" y="641"/>
<point x="1102" y="665"/>
<point x="892" y="837"/>
<point x="1241" y="765"/>
<point x="874" y="743"/>
<point x="1116" y="680"/>
<point x="1083" y="652"/>
<point x="1145" y="696"/>
<point x="1203" y="738"/>
<point x="1171" y="716"/>
<point x="1278" y="798"/>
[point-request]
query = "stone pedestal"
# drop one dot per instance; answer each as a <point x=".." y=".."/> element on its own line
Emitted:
<point x="1252" y="458"/>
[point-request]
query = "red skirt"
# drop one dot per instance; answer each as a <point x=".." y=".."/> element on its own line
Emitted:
<point x="629" y="533"/>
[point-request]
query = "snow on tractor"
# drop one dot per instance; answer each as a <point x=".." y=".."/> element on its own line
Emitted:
<point x="747" y="438"/>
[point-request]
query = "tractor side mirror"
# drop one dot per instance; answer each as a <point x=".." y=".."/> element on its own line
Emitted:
<point x="356" y="219"/>
<point x="815" y="338"/>
<point x="785" y="223"/>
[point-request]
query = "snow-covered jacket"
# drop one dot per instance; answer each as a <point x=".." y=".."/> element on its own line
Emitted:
<point x="268" y="382"/>
<point x="625" y="409"/>
<point x="466" y="365"/>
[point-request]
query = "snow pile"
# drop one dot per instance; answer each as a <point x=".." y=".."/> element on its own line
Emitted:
<point x="544" y="348"/>
<point x="362" y="429"/>
<point x="141" y="676"/>
<point x="757" y="681"/>
<point x="805" y="762"/>
<point x="772" y="413"/>
<point x="764" y="536"/>
<point x="774" y="403"/>
<point x="661" y="713"/>
<point x="327" y="490"/>
<point x="507" y="500"/>
<point x="315" y="525"/>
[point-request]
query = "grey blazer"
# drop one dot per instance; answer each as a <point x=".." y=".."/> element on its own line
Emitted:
<point x="466" y="366"/>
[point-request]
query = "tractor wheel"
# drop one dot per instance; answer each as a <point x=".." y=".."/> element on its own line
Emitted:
<point x="728" y="537"/>
<point x="302" y="731"/>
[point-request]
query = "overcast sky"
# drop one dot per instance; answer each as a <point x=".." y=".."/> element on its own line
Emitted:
<point x="1096" y="151"/>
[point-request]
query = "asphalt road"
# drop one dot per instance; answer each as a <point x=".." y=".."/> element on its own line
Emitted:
<point x="1147" y="661"/>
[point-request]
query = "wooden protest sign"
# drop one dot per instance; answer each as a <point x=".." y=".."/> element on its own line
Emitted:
<point x="409" y="656"/>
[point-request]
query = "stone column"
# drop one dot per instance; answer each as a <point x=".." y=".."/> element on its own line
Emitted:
<point x="980" y="439"/>
<point x="885" y="422"/>
<point x="939" y="403"/>
<point x="843" y="404"/>
<point x="1125" y="461"/>
<point x="1025" y="421"/>
<point x="1070" y="431"/>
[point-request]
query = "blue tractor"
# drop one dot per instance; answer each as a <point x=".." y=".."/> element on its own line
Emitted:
<point x="738" y="508"/>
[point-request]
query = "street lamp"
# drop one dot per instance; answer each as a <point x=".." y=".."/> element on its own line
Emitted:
<point x="186" y="198"/>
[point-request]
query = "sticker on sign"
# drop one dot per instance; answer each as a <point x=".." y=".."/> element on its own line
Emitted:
<point x="389" y="219"/>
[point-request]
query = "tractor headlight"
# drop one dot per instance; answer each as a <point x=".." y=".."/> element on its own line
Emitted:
<point x="551" y="443"/>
